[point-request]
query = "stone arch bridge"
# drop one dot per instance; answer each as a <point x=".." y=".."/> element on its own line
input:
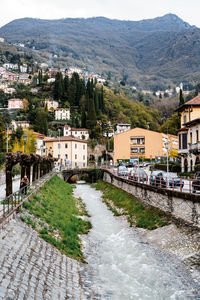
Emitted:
<point x="67" y="174"/>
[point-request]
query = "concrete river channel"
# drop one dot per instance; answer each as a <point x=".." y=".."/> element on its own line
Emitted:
<point x="120" y="266"/>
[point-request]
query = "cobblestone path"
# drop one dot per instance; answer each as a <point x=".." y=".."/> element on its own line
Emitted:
<point x="30" y="268"/>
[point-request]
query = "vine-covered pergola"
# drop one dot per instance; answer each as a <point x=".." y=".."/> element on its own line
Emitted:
<point x="30" y="163"/>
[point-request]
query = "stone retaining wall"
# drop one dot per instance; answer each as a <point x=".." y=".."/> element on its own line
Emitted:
<point x="184" y="207"/>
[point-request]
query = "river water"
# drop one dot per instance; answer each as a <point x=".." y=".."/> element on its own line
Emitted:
<point x="121" y="266"/>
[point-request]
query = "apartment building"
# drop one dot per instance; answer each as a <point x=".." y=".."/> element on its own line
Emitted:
<point x="69" y="151"/>
<point x="189" y="134"/>
<point x="62" y="114"/>
<point x="143" y="143"/>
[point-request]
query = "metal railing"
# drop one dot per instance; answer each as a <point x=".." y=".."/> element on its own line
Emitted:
<point x="15" y="199"/>
<point x="173" y="183"/>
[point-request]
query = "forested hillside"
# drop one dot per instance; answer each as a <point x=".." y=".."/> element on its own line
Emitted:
<point x="149" y="54"/>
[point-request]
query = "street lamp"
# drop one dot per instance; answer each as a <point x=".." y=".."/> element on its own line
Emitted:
<point x="167" y="147"/>
<point x="25" y="139"/>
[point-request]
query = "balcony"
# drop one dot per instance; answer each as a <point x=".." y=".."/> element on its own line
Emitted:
<point x="194" y="148"/>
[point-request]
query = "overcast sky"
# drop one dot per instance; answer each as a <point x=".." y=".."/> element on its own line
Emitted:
<point x="188" y="10"/>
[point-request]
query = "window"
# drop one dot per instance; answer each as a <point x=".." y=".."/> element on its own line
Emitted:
<point x="75" y="146"/>
<point x="59" y="145"/>
<point x="184" y="119"/>
<point x="83" y="157"/>
<point x="197" y="136"/>
<point x="83" y="147"/>
<point x="58" y="156"/>
<point x="184" y="141"/>
<point x="75" y="156"/>
<point x="190" y="137"/>
<point x="75" y="164"/>
<point x="66" y="156"/>
<point x="179" y="141"/>
<point x="83" y="164"/>
<point x="66" y="146"/>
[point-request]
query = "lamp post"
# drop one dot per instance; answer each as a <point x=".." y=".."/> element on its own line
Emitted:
<point x="7" y="137"/>
<point x="25" y="139"/>
<point x="59" y="142"/>
<point x="167" y="147"/>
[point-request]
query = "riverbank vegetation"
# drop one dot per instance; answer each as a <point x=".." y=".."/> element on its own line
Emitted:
<point x="123" y="203"/>
<point x="54" y="214"/>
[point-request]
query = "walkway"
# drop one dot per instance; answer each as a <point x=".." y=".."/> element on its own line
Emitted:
<point x="30" y="268"/>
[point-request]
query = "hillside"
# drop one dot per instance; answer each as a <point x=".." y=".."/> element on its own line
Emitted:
<point x="149" y="53"/>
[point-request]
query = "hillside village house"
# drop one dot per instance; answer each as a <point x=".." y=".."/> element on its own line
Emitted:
<point x="15" y="103"/>
<point x="23" y="124"/>
<point x="122" y="127"/>
<point x="40" y="146"/>
<point x="51" y="104"/>
<point x="142" y="142"/>
<point x="62" y="114"/>
<point x="189" y="134"/>
<point x="79" y="133"/>
<point x="69" y="150"/>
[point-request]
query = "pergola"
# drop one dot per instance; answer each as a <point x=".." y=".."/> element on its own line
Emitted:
<point x="38" y="165"/>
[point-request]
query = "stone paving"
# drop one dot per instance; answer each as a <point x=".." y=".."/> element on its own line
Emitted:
<point x="30" y="268"/>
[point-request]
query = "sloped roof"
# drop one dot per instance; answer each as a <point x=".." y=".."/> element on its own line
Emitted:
<point x="193" y="102"/>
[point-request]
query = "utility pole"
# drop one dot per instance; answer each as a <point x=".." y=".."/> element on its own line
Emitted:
<point x="7" y="137"/>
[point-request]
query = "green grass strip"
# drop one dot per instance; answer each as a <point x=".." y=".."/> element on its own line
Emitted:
<point x="138" y="215"/>
<point x="56" y="206"/>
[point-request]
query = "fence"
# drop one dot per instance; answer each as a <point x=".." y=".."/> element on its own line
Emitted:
<point x="11" y="202"/>
<point x="172" y="183"/>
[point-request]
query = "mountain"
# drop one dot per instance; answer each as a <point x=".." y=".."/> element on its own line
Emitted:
<point x="150" y="53"/>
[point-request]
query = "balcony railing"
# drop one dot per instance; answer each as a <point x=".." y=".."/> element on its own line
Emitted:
<point x="194" y="148"/>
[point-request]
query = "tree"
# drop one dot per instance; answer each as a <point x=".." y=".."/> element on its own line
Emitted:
<point x="91" y="118"/>
<point x="181" y="98"/>
<point x="2" y="135"/>
<point x="58" y="90"/>
<point x="41" y="121"/>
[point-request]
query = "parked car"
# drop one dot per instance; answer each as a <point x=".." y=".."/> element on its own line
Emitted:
<point x="122" y="171"/>
<point x="196" y="183"/>
<point x="164" y="179"/>
<point x="138" y="175"/>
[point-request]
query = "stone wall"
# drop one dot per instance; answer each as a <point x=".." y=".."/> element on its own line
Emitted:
<point x="184" y="207"/>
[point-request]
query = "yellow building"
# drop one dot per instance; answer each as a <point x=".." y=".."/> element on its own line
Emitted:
<point x="144" y="143"/>
<point x="69" y="151"/>
<point x="189" y="134"/>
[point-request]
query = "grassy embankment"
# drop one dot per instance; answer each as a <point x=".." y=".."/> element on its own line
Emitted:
<point x="123" y="203"/>
<point x="54" y="214"/>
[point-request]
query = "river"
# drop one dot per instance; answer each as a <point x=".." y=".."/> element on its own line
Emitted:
<point x="121" y="266"/>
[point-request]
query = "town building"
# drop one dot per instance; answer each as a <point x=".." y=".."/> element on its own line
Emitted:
<point x="68" y="150"/>
<point x="15" y="103"/>
<point x="62" y="114"/>
<point x="189" y="141"/>
<point x="40" y="146"/>
<point x="23" y="124"/>
<point x="139" y="142"/>
<point x="79" y="133"/>
<point x="51" y="104"/>
<point x="122" y="127"/>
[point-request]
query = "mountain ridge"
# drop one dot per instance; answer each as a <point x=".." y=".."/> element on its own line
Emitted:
<point x="148" y="53"/>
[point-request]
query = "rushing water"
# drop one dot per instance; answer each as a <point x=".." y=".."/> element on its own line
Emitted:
<point x="120" y="267"/>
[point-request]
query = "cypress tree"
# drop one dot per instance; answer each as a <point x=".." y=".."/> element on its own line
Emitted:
<point x="181" y="98"/>
<point x="91" y="117"/>
<point x="83" y="118"/>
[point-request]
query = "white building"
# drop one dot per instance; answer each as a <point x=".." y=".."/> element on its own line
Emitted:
<point x="122" y="128"/>
<point x="69" y="150"/>
<point x="62" y="114"/>
<point x="15" y="103"/>
<point x="8" y="66"/>
<point x="51" y="104"/>
<point x="2" y="40"/>
<point x="79" y="133"/>
<point x="23" y="124"/>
